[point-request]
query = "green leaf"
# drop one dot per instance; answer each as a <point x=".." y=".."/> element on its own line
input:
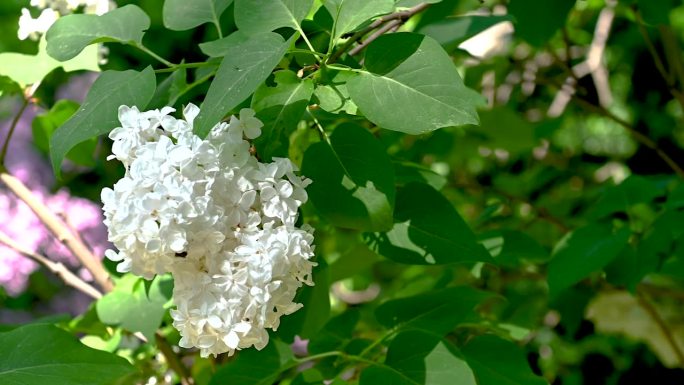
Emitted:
<point x="245" y="66"/>
<point x="427" y="231"/>
<point x="353" y="179"/>
<point x="538" y="20"/>
<point x="413" y="3"/>
<point x="180" y="15"/>
<point x="407" y="172"/>
<point x="280" y="108"/>
<point x="29" y="69"/>
<point x="498" y="362"/>
<point x="419" y="357"/>
<point x="506" y="129"/>
<point x="221" y="47"/>
<point x="656" y="12"/>
<point x="44" y="125"/>
<point x="170" y="89"/>
<point x="99" y="112"/>
<point x="255" y="16"/>
<point x="70" y="34"/>
<point x="336" y="333"/>
<point x="437" y="311"/>
<point x="455" y="30"/>
<point x="582" y="252"/>
<point x="511" y="247"/>
<point x="254" y="367"/>
<point x="633" y="190"/>
<point x="43" y="354"/>
<point x="414" y="75"/>
<point x="351" y="14"/>
<point x="133" y="308"/>
<point x="334" y="96"/>
<point x="307" y="321"/>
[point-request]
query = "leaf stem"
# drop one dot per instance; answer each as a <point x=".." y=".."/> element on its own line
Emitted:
<point x="173" y="360"/>
<point x="321" y="131"/>
<point x="13" y="125"/>
<point x="308" y="43"/>
<point x="184" y="65"/>
<point x="154" y="55"/>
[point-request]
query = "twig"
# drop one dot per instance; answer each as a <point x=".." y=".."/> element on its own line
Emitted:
<point x="381" y="31"/>
<point x="401" y="15"/>
<point x="173" y="360"/>
<point x="25" y="102"/>
<point x="59" y="269"/>
<point x="664" y="328"/>
<point x="59" y="230"/>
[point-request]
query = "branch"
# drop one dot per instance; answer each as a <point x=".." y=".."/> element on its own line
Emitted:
<point x="59" y="229"/>
<point x="638" y="136"/>
<point x="400" y="16"/>
<point x="25" y="102"/>
<point x="59" y="269"/>
<point x="173" y="360"/>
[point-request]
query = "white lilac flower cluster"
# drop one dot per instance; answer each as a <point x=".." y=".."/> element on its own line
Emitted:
<point x="51" y="10"/>
<point x="219" y="220"/>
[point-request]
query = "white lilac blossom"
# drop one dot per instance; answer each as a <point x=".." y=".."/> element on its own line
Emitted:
<point x="51" y="10"/>
<point x="221" y="222"/>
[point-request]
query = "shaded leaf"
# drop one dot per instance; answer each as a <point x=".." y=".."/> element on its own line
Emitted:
<point x="499" y="362"/>
<point x="353" y="182"/>
<point x="70" y="34"/>
<point x="538" y="20"/>
<point x="254" y="367"/>
<point x="455" y="30"/>
<point x="427" y="230"/>
<point x="44" y="125"/>
<point x="414" y="75"/>
<point x="221" y="47"/>
<point x="39" y="353"/>
<point x="582" y="252"/>
<point x="437" y="311"/>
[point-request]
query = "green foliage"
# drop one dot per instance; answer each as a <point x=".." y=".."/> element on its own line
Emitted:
<point x="30" y="69"/>
<point x="71" y="34"/>
<point x="412" y="73"/>
<point x="99" y="112"/>
<point x="245" y="66"/>
<point x="256" y="367"/>
<point x="348" y="15"/>
<point x="427" y="230"/>
<point x="280" y="108"/>
<point x="36" y="353"/>
<point x="474" y="212"/>
<point x="180" y="15"/>
<point x="255" y="16"/>
<point x="353" y="183"/>
<point x="134" y="307"/>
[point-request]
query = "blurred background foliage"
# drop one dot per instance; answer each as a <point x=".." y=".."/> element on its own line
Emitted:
<point x="582" y="99"/>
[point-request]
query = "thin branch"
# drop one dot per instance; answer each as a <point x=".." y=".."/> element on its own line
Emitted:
<point x="664" y="327"/>
<point x="154" y="55"/>
<point x="59" y="269"/>
<point x="381" y="31"/>
<point x="173" y="360"/>
<point x="401" y="15"/>
<point x="638" y="136"/>
<point x="25" y="102"/>
<point x="59" y="230"/>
